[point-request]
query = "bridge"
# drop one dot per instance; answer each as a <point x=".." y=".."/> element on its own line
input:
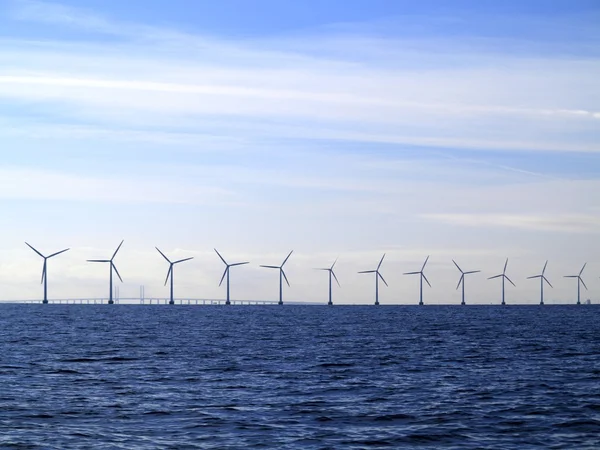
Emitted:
<point x="146" y="301"/>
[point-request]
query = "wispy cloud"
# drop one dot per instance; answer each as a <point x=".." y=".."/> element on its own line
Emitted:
<point x="566" y="223"/>
<point x="519" y="103"/>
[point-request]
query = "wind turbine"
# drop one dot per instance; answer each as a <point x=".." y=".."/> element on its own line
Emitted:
<point x="422" y="277"/>
<point x="227" y="266"/>
<point x="111" y="268"/>
<point x="170" y="272"/>
<point x="462" y="280"/>
<point x="331" y="273"/>
<point x="281" y="276"/>
<point x="45" y="270"/>
<point x="377" y="277"/>
<point x="579" y="283"/>
<point x="504" y="277"/>
<point x="542" y="278"/>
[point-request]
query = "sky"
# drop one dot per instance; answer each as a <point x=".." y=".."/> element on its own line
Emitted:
<point x="466" y="130"/>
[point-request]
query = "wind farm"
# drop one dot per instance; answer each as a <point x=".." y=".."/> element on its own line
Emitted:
<point x="332" y="278"/>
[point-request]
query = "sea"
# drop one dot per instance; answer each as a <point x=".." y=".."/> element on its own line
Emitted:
<point x="284" y="377"/>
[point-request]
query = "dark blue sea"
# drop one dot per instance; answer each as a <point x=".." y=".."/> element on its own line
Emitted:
<point x="179" y="377"/>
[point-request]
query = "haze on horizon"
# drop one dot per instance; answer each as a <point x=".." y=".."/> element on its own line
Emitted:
<point x="466" y="131"/>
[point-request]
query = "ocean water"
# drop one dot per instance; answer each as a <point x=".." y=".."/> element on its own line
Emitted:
<point x="83" y="376"/>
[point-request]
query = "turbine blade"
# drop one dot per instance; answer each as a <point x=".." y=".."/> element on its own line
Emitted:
<point x="333" y="265"/>
<point x="163" y="255"/>
<point x="183" y="260"/>
<point x="333" y="273"/>
<point x="462" y="277"/>
<point x="571" y="276"/>
<point x="544" y="269"/>
<point x="583" y="282"/>
<point x="505" y="264"/>
<point x="239" y="264"/>
<point x="223" y="277"/>
<point x="99" y="260"/>
<point x="116" y="271"/>
<point x="495" y="276"/>
<point x="457" y="266"/>
<point x="323" y="269"/>
<point x="472" y="271"/>
<point x="425" y="263"/>
<point x="380" y="262"/>
<point x="222" y="259"/>
<point x="382" y="279"/>
<point x="284" y="276"/>
<point x="34" y="250"/>
<point x="412" y="273"/>
<point x="535" y="276"/>
<point x="43" y="272"/>
<point x="368" y="271"/>
<point x="58" y="253"/>
<point x="549" y="284"/>
<point x="169" y="273"/>
<point x="286" y="258"/>
<point x="271" y="267"/>
<point x="117" y="250"/>
<point x="510" y="281"/>
<point x="425" y="278"/>
<point x="581" y="271"/>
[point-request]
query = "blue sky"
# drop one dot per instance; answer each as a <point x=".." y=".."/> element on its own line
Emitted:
<point x="464" y="130"/>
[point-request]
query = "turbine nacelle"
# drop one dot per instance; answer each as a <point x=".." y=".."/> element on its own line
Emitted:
<point x="503" y="274"/>
<point x="227" y="266"/>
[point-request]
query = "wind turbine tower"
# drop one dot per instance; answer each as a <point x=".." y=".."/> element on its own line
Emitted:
<point x="227" y="267"/>
<point x="281" y="276"/>
<point x="504" y="277"/>
<point x="377" y="277"/>
<point x="579" y="283"/>
<point x="110" y="268"/>
<point x="542" y="278"/>
<point x="45" y="270"/>
<point x="461" y="281"/>
<point x="331" y="274"/>
<point x="170" y="272"/>
<point x="422" y="277"/>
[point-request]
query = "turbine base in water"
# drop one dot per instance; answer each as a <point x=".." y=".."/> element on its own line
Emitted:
<point x="111" y="302"/>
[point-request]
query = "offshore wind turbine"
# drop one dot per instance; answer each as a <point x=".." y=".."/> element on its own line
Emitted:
<point x="542" y="278"/>
<point x="579" y="283"/>
<point x="111" y="268"/>
<point x="227" y="267"/>
<point x="421" y="278"/>
<point x="170" y="272"/>
<point x="504" y="277"/>
<point x="281" y="276"/>
<point x="377" y="277"/>
<point x="45" y="270"/>
<point x="331" y="274"/>
<point x="462" y="280"/>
